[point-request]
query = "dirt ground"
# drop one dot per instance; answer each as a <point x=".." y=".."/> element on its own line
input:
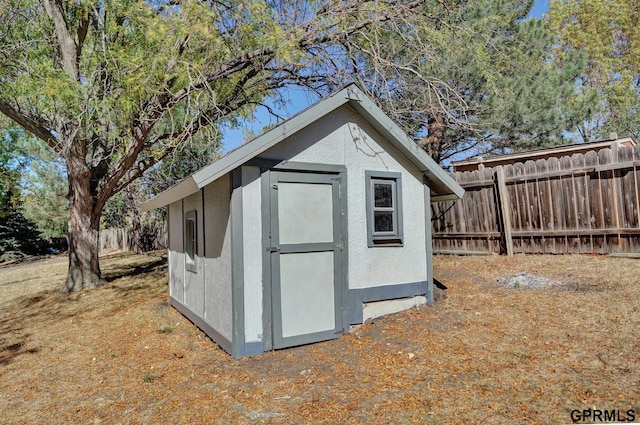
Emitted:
<point x="485" y="354"/>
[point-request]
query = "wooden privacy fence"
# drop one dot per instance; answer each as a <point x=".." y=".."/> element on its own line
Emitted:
<point x="574" y="204"/>
<point x="153" y="237"/>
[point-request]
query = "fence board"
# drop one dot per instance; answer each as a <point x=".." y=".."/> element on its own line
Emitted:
<point x="627" y="197"/>
<point x="491" y="222"/>
<point x="636" y="179"/>
<point x="609" y="199"/>
<point x="154" y="237"/>
<point x="558" y="217"/>
<point x="580" y="185"/>
<point x="596" y="217"/>
<point x="568" y="201"/>
<point x="505" y="211"/>
<point x="545" y="207"/>
<point x="533" y="210"/>
<point x="574" y="204"/>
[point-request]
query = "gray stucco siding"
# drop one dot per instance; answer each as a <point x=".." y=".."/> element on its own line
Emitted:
<point x="383" y="265"/>
<point x="343" y="137"/>
<point x="176" y="252"/>
<point x="194" y="280"/>
<point x="252" y="253"/>
<point x="320" y="143"/>
<point x="217" y="262"/>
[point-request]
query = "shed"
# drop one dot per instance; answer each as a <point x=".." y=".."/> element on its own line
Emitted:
<point x="318" y="224"/>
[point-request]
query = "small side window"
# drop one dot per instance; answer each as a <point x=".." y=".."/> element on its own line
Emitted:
<point x="384" y="208"/>
<point x="190" y="240"/>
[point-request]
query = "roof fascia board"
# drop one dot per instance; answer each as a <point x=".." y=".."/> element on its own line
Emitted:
<point x="183" y="189"/>
<point x="442" y="183"/>
<point x="269" y="139"/>
<point x="445" y="197"/>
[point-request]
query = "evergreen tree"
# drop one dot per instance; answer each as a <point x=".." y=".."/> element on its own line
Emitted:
<point x="608" y="32"/>
<point x="10" y="167"/>
<point x="44" y="190"/>
<point x="494" y="86"/>
<point x="18" y="235"/>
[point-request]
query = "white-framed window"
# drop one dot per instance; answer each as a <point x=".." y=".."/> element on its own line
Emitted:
<point x="190" y="240"/>
<point x="384" y="208"/>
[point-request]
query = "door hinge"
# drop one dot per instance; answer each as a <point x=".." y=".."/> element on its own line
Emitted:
<point x="339" y="246"/>
<point x="273" y="249"/>
<point x="274" y="186"/>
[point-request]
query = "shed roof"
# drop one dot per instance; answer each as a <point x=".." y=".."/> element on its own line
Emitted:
<point x="442" y="186"/>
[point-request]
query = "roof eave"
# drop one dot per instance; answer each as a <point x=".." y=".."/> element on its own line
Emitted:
<point x="185" y="188"/>
<point x="267" y="140"/>
<point x="441" y="183"/>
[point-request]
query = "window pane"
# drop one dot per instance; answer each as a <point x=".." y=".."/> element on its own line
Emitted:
<point x="383" y="195"/>
<point x="191" y="238"/>
<point x="383" y="221"/>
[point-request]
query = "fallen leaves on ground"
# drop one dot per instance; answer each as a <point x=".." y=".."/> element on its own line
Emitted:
<point x="485" y="354"/>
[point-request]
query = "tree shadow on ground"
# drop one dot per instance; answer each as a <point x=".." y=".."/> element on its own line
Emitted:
<point x="9" y="352"/>
<point x="138" y="278"/>
<point x="134" y="270"/>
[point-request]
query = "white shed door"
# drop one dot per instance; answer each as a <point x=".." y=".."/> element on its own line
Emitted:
<point x="306" y="266"/>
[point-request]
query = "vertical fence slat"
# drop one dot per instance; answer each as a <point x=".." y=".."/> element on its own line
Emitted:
<point x="545" y="207"/>
<point x="505" y="208"/>
<point x="636" y="181"/>
<point x="627" y="198"/>
<point x="154" y="237"/>
<point x="609" y="200"/>
<point x="598" y="217"/>
<point x="533" y="211"/>
<point x="581" y="204"/>
<point x="491" y="207"/>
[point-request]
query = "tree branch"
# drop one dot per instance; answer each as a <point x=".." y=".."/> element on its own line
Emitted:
<point x="83" y="29"/>
<point x="118" y="181"/>
<point x="36" y="128"/>
<point x="253" y="62"/>
<point x="68" y="54"/>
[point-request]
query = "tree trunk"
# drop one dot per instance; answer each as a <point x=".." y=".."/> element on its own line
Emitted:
<point x="84" y="266"/>
<point x="84" y="228"/>
<point x="436" y="127"/>
<point x="133" y="214"/>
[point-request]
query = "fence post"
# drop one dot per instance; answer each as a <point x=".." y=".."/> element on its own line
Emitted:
<point x="618" y="198"/>
<point x="505" y="209"/>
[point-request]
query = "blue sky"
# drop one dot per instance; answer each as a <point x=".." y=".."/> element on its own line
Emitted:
<point x="539" y="8"/>
<point x="298" y="99"/>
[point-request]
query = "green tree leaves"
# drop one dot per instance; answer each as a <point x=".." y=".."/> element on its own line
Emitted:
<point x="115" y="86"/>
<point x="608" y="33"/>
<point x="483" y="78"/>
<point x="44" y="198"/>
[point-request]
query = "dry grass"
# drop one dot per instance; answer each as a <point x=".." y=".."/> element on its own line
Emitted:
<point x="485" y="354"/>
